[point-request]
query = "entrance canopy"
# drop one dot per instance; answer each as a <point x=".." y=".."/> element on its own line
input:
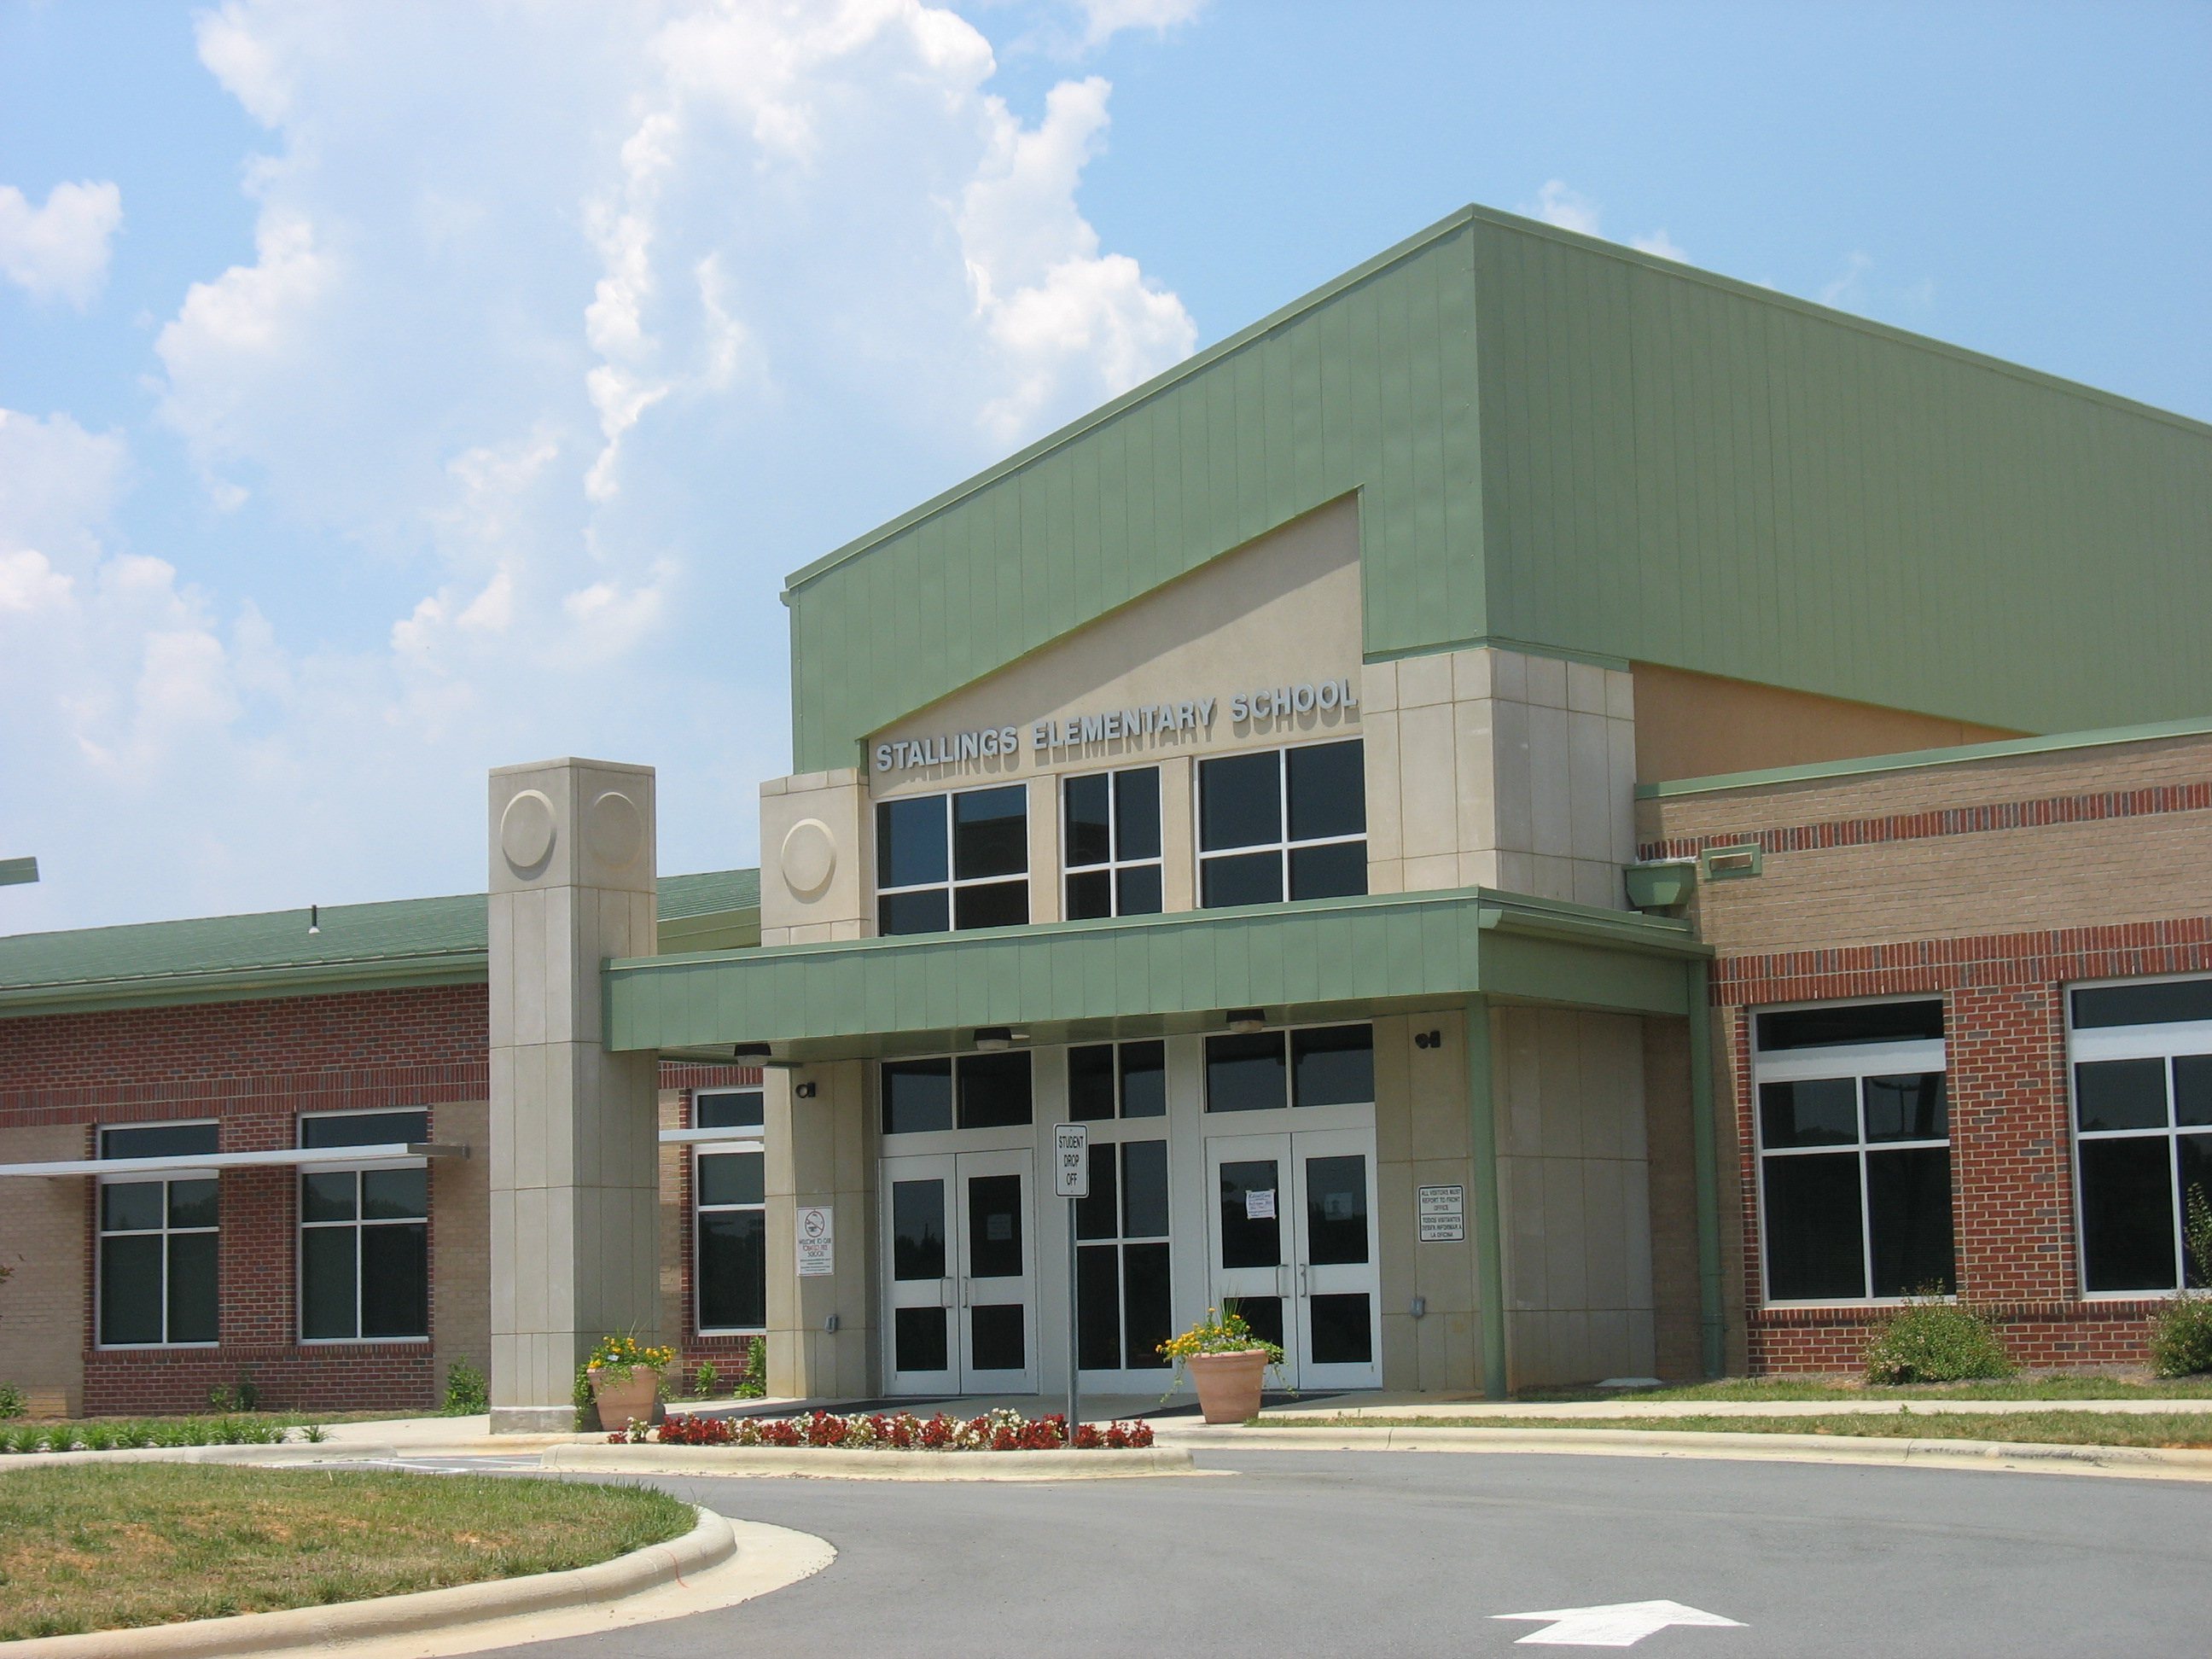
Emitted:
<point x="1145" y="975"/>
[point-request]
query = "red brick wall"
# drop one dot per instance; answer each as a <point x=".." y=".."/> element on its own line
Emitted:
<point x="2011" y="1157"/>
<point x="729" y="1354"/>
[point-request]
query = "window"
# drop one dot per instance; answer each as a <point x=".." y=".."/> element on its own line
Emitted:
<point x="1267" y="1071"/>
<point x="1284" y="823"/>
<point x="947" y="862"/>
<point x="728" y="1109"/>
<point x="2141" y="1056"/>
<point x="1108" y="1080"/>
<point x="157" y="1241"/>
<point x="970" y="1092"/>
<point x="365" y="1233"/>
<point x="731" y="1217"/>
<point x="1121" y="1271"/>
<point x="1854" y="1151"/>
<point x="1110" y="825"/>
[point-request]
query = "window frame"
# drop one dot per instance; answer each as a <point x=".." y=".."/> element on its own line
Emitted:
<point x="1115" y="863"/>
<point x="100" y="1233"/>
<point x="1290" y="1111"/>
<point x="700" y="1151"/>
<point x="953" y="882"/>
<point x="2165" y="1042"/>
<point x="335" y="1155"/>
<point x="1858" y="1061"/>
<point x="1284" y="845"/>
<point x="978" y="1137"/>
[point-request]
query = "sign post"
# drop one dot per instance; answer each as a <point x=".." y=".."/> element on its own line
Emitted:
<point x="1071" y="1180"/>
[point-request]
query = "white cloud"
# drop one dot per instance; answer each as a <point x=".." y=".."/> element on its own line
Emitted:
<point x="1846" y="290"/>
<point x="1658" y="243"/>
<point x="1103" y="19"/>
<point x="1560" y="203"/>
<point x="59" y="251"/>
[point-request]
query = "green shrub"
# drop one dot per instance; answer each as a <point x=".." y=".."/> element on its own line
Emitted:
<point x="707" y="1381"/>
<point x="240" y="1396"/>
<point x="754" y="1384"/>
<point x="2181" y="1336"/>
<point x="1933" y="1339"/>
<point x="466" y="1393"/>
<point x="12" y="1403"/>
<point x="588" y="1409"/>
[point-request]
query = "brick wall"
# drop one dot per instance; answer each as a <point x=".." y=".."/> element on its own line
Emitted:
<point x="678" y="1262"/>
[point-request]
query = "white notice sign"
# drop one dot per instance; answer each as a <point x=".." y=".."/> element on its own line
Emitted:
<point x="1259" y="1203"/>
<point x="1071" y="1162"/>
<point x="1443" y="1214"/>
<point x="818" y="1242"/>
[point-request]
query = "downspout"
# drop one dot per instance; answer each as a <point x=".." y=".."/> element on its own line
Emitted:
<point x="1698" y="974"/>
<point x="1489" y="1231"/>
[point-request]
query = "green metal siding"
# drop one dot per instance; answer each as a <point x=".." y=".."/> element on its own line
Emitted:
<point x="1567" y="444"/>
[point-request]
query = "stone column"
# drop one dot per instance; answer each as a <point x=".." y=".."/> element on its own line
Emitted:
<point x="575" y="1189"/>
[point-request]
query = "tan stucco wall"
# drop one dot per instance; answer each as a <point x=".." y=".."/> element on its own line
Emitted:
<point x="1698" y="726"/>
<point x="460" y="1208"/>
<point x="1422" y="1139"/>
<point x="1669" y="1139"/>
<point x="820" y="1151"/>
<point x="42" y="1237"/>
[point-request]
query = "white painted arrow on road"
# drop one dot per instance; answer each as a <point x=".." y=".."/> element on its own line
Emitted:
<point x="1621" y="1625"/>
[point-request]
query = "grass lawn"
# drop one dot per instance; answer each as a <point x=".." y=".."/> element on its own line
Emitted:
<point x="2188" y="1430"/>
<point x="2068" y="1387"/>
<point x="85" y="1548"/>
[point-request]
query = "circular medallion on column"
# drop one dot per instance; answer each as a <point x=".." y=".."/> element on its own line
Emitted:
<point x="525" y="831"/>
<point x="616" y="829"/>
<point x="809" y="857"/>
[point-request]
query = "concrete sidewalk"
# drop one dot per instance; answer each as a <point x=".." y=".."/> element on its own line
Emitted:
<point x="1353" y="1408"/>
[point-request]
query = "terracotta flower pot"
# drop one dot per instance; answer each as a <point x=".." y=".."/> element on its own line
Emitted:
<point x="621" y="1398"/>
<point x="1228" y="1384"/>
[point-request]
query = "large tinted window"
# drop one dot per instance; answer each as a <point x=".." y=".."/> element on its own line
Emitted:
<point x="953" y="862"/>
<point x="2142" y="1123"/>
<point x="1283" y="823"/>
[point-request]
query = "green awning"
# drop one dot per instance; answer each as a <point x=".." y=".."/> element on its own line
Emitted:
<point x="1317" y="959"/>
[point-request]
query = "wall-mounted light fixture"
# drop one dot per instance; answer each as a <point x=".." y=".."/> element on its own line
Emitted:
<point x="741" y="1052"/>
<point x="803" y="1091"/>
<point x="1428" y="1039"/>
<point x="1245" y="1022"/>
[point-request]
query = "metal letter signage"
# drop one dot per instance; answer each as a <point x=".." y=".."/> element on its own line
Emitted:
<point x="818" y="1242"/>
<point x="1071" y="1161"/>
<point x="1443" y="1214"/>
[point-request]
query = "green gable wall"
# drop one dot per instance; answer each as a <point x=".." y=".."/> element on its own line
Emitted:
<point x="1564" y="443"/>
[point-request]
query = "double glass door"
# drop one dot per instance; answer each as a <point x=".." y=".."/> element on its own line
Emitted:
<point x="961" y="1234"/>
<point x="1293" y="1248"/>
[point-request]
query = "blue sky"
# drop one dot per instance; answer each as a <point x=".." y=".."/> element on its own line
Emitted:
<point x="390" y="392"/>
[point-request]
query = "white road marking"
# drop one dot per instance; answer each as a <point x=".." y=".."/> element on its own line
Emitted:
<point x="1618" y="1625"/>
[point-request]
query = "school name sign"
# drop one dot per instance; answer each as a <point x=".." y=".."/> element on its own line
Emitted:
<point x="1147" y="722"/>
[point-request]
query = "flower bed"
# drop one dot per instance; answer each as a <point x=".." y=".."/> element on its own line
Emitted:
<point x="999" y="1430"/>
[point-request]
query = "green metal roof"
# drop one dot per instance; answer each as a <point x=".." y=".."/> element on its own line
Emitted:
<point x="1341" y="957"/>
<point x="1560" y="442"/>
<point x="405" y="941"/>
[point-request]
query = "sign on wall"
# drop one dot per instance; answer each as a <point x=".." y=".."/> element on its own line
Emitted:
<point x="1070" y="1168"/>
<point x="1443" y="1214"/>
<point x="818" y="1241"/>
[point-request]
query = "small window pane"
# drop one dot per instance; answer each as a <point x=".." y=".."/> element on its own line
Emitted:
<point x="2193" y="1161"/>
<point x="131" y="1206"/>
<point x="733" y="1270"/>
<point x="994" y="1090"/>
<point x="2120" y="1094"/>
<point x="1246" y="1072"/>
<point x="2127" y="1214"/>
<point x="365" y="1130"/>
<point x="991" y="832"/>
<point x="914" y="912"/>
<point x="1910" y="1108"/>
<point x="191" y="1288"/>
<point x="1090" y="1082"/>
<point x="1327" y="786"/>
<point x="994" y="1226"/>
<point x="996" y="1339"/>
<point x="917" y="1095"/>
<point x="1263" y="1314"/>
<point x="910" y="841"/>
<point x="327" y="1195"/>
<point x="1336" y="1210"/>
<point x="1849" y="1023"/>
<point x="1098" y="1215"/>
<point x="1145" y="1189"/>
<point x="395" y="1280"/>
<point x="1239" y="801"/>
<point x="1333" y="1066"/>
<point x="326" y="1282"/>
<point x="1814" y="1233"/>
<point x="1137" y="891"/>
<point x="395" y="1194"/>
<point x="192" y="1203"/>
<point x="1001" y="904"/>
<point x="1089" y="894"/>
<point x="731" y="1178"/>
<point x="1090" y="829"/>
<point x="917" y="1232"/>
<point x="1144" y="1080"/>
<point x="1145" y="1310"/>
<point x="2192" y="1089"/>
<point x="158" y="1141"/>
<point x="1249" y="1240"/>
<point x="728" y="1109"/>
<point x="1247" y="879"/>
<point x="130" y="1289"/>
<point x="1343" y="1329"/>
<point x="918" y="1340"/>
<point x="1137" y="814"/>
<point x="1909" y="1213"/>
<point x="1099" y="1308"/>
<point x="1820" y="1112"/>
<point x="1336" y="872"/>
<point x="2164" y="1002"/>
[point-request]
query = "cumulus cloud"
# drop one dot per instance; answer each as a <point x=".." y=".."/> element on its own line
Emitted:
<point x="1560" y="203"/>
<point x="1103" y="19"/>
<point x="59" y="251"/>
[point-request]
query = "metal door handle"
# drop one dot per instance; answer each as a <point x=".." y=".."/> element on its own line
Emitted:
<point x="963" y="1290"/>
<point x="1301" y="1280"/>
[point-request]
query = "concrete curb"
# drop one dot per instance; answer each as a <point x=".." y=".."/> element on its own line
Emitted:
<point x="836" y="1462"/>
<point x="292" y="1454"/>
<point x="2150" y="1462"/>
<point x="708" y="1544"/>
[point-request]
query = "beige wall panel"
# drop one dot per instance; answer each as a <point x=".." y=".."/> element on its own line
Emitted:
<point x="1697" y="725"/>
<point x="819" y="824"/>
<point x="1669" y="1139"/>
<point x="460" y="1208"/>
<point x="43" y="1317"/>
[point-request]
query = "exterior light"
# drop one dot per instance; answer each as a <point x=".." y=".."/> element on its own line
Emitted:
<point x="1247" y="1021"/>
<point x="990" y="1039"/>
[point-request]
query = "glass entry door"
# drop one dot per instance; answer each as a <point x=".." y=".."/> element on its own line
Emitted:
<point x="1293" y="1246"/>
<point x="963" y="1274"/>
